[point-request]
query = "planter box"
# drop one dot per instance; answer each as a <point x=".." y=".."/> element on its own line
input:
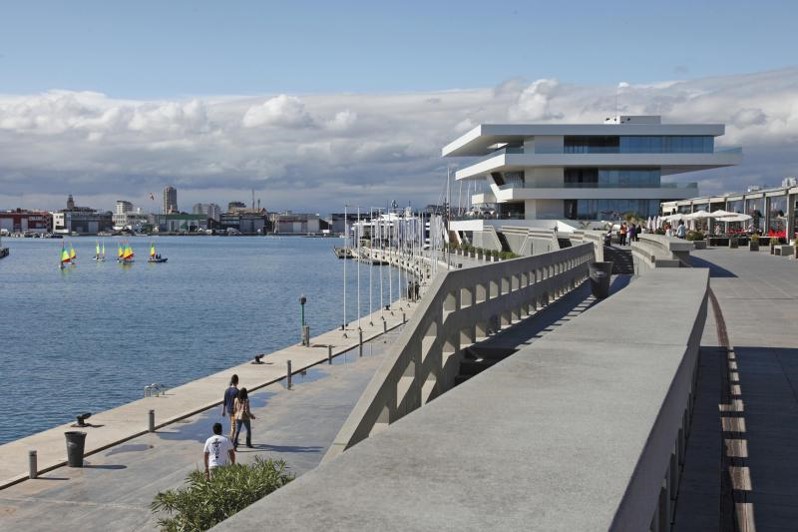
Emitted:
<point x="752" y="246"/>
<point x="699" y="244"/>
<point x="733" y="243"/>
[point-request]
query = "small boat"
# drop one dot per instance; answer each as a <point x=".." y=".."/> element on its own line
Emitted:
<point x="99" y="253"/>
<point x="65" y="259"/>
<point x="155" y="258"/>
<point x="126" y="256"/>
<point x="343" y="253"/>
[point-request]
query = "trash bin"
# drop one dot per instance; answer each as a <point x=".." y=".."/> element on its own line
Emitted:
<point x="600" y="274"/>
<point x="75" y="443"/>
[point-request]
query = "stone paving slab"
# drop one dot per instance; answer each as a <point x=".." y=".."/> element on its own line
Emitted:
<point x="130" y="420"/>
<point x="758" y="297"/>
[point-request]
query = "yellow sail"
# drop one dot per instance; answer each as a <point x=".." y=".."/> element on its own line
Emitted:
<point x="128" y="253"/>
<point x="120" y="252"/>
<point x="72" y="254"/>
<point x="64" y="255"/>
<point x="152" y="250"/>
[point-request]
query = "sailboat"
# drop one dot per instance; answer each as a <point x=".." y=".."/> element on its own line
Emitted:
<point x="127" y="254"/>
<point x="72" y="254"/>
<point x="64" y="258"/>
<point x="120" y="251"/>
<point x="155" y="257"/>
<point x="99" y="255"/>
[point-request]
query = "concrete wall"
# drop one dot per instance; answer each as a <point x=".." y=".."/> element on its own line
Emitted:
<point x="659" y="251"/>
<point x="576" y="432"/>
<point x="462" y="307"/>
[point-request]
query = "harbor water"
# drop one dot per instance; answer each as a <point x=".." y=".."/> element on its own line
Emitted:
<point x="92" y="336"/>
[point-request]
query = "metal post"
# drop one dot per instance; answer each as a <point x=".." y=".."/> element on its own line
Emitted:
<point x="152" y="420"/>
<point x="360" y="341"/>
<point x="288" y="375"/>
<point x="329" y="354"/>
<point x="404" y="318"/>
<point x="32" y="465"/>
<point x="384" y="326"/>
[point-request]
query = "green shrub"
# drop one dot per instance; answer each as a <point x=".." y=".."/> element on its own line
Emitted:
<point x="495" y="253"/>
<point x="774" y="241"/>
<point x="755" y="238"/>
<point x="694" y="235"/>
<point x="659" y="231"/>
<point x="204" y="503"/>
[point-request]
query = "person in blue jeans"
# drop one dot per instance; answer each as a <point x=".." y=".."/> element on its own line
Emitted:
<point x="228" y="404"/>
<point x="243" y="415"/>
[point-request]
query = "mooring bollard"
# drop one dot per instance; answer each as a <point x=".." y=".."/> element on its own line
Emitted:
<point x="288" y="374"/>
<point x="404" y="318"/>
<point x="152" y="420"/>
<point x="32" y="465"/>
<point x="329" y="354"/>
<point x="384" y="326"/>
<point x="360" y="341"/>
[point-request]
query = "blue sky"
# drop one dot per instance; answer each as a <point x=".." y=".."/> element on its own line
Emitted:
<point x="315" y="105"/>
<point x="150" y="49"/>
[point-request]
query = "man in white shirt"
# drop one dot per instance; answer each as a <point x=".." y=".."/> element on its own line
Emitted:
<point x="219" y="451"/>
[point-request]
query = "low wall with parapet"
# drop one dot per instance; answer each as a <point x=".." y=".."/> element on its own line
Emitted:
<point x="583" y="430"/>
<point x="460" y="308"/>
<point x="659" y="251"/>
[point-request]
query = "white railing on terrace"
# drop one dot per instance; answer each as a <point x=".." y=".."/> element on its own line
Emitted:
<point x="460" y="308"/>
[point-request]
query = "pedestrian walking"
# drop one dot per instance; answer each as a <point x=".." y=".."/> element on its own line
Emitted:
<point x="243" y="415"/>
<point x="632" y="233"/>
<point x="228" y="403"/>
<point x="219" y="451"/>
<point x="622" y="234"/>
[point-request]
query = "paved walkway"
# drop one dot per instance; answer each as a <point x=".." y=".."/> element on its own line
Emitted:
<point x="747" y="399"/>
<point x="115" y="489"/>
<point x="131" y="420"/>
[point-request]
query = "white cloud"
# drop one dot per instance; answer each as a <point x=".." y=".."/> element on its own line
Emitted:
<point x="337" y="148"/>
<point x="282" y="110"/>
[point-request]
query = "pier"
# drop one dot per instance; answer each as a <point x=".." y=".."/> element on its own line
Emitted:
<point x="666" y="406"/>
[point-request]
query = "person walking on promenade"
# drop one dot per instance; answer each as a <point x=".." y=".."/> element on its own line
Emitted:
<point x="228" y="404"/>
<point x="219" y="451"/>
<point x="622" y="234"/>
<point x="681" y="231"/>
<point x="243" y="416"/>
<point x="632" y="233"/>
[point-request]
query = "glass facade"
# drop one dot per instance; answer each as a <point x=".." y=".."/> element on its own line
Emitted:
<point x="737" y="206"/>
<point x="612" y="178"/>
<point x="639" y="144"/>
<point x="609" y="209"/>
<point x="755" y="208"/>
<point x="777" y="221"/>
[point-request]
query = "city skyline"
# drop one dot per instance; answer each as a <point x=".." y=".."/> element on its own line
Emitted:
<point x="312" y="133"/>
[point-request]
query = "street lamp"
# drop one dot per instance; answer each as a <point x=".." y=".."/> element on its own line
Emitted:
<point x="305" y="330"/>
<point x="302" y="301"/>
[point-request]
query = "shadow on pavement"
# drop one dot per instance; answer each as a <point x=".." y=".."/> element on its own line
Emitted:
<point x="714" y="269"/>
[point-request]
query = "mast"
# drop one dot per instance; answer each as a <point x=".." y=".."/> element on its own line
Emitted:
<point x="346" y="257"/>
<point x="357" y="234"/>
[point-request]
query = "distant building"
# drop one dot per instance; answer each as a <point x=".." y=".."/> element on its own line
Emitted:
<point x="123" y="207"/>
<point x="23" y="221"/>
<point x="336" y="221"/>
<point x="170" y="200"/>
<point x="211" y="210"/>
<point x="244" y="221"/>
<point x="180" y="222"/>
<point x="295" y="223"/>
<point x="235" y="206"/>
<point x="81" y="220"/>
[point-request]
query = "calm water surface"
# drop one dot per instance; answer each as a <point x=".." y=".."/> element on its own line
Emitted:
<point x="91" y="337"/>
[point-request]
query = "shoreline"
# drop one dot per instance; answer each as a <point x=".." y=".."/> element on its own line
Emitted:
<point x="117" y="425"/>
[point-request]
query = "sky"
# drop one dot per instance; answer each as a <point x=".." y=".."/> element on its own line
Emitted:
<point x="317" y="104"/>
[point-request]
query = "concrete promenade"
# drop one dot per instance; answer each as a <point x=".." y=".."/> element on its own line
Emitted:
<point x="747" y="405"/>
<point x="115" y="488"/>
<point x="120" y="424"/>
<point x="573" y="432"/>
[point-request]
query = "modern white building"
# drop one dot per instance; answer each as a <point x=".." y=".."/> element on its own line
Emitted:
<point x="555" y="176"/>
